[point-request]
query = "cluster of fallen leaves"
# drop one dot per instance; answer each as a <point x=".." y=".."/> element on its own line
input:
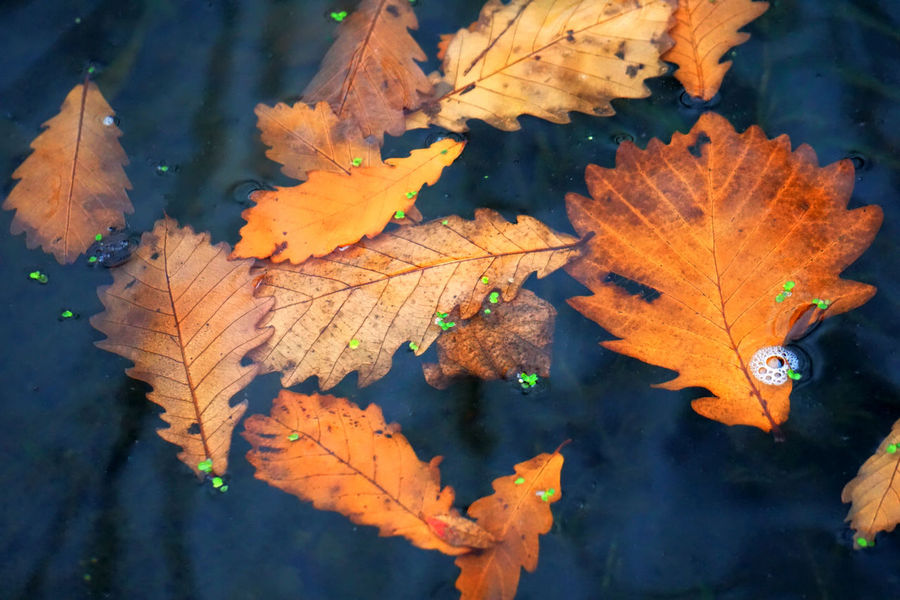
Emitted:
<point x="697" y="253"/>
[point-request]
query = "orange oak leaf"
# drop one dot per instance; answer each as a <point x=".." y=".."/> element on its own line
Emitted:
<point x="73" y="185"/>
<point x="336" y="209"/>
<point x="733" y="240"/>
<point x="515" y="514"/>
<point x="351" y="310"/>
<point x="703" y="32"/>
<point x="328" y="451"/>
<point x="370" y="74"/>
<point x="513" y="337"/>
<point x="547" y="58"/>
<point x="186" y="316"/>
<point x="875" y="492"/>
<point x="305" y="138"/>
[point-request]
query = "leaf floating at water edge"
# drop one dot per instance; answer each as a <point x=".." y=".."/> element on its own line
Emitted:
<point x="388" y="291"/>
<point x="547" y="58"/>
<point x="73" y="185"/>
<point x="703" y="32"/>
<point x="875" y="492"/>
<point x="186" y="316"/>
<point x="733" y="235"/>
<point x="328" y="451"/>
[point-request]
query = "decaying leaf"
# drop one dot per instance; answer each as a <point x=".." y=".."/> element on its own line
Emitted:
<point x="513" y="337"/>
<point x="547" y="58"/>
<point x="515" y="514"/>
<point x="186" y="316"/>
<point x="335" y="209"/>
<point x="73" y="185"/>
<point x="703" y="32"/>
<point x="370" y="74"/>
<point x="350" y="310"/>
<point x="328" y="451"/>
<point x="875" y="492"/>
<point x="732" y="240"/>
<point x="305" y="138"/>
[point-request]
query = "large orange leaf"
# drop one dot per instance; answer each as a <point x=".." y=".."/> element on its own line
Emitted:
<point x="328" y="451"/>
<point x="350" y="310"/>
<point x="72" y="186"/>
<point x="370" y="74"/>
<point x="515" y="514"/>
<point x="704" y="31"/>
<point x="336" y="209"/>
<point x="505" y="339"/>
<point x="719" y="224"/>
<point x="875" y="492"/>
<point x="546" y="58"/>
<point x="305" y="138"/>
<point x="186" y="316"/>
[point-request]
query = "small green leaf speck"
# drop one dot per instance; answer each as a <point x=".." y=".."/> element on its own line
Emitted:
<point x="339" y="16"/>
<point x="788" y="285"/>
<point x="862" y="542"/>
<point x="779" y="298"/>
<point x="891" y="448"/>
<point x="98" y="237"/>
<point x="413" y="346"/>
<point x="494" y="298"/>
<point x="356" y="161"/>
<point x="444" y="151"/>
<point x="205" y="465"/>
<point x="354" y="343"/>
<point x="92" y="259"/>
<point x="519" y="481"/>
<point x="294" y="437"/>
<point x="38" y="276"/>
<point x="444" y="222"/>
<point x="217" y="482"/>
<point x="487" y="311"/>
<point x="410" y="195"/>
<point x="399" y="214"/>
<point x="67" y="314"/>
<point x="485" y="280"/>
<point x="223" y="489"/>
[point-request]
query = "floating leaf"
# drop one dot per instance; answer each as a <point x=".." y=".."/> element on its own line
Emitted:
<point x="546" y="58"/>
<point x="515" y="514"/>
<point x="186" y="316"/>
<point x="704" y="31"/>
<point x="334" y="209"/>
<point x="370" y="74"/>
<point x="350" y="461"/>
<point x="514" y="337"/>
<point x="303" y="138"/>
<point x="875" y="492"/>
<point x="695" y="242"/>
<point x="73" y="185"/>
<point x="387" y="292"/>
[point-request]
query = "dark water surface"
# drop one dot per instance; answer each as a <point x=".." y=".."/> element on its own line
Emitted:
<point x="658" y="503"/>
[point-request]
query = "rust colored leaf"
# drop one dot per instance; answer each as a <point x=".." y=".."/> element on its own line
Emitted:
<point x="328" y="451"/>
<point x="515" y="514"/>
<point x="875" y="492"/>
<point x="386" y="292"/>
<point x="547" y="58"/>
<point x="514" y="337"/>
<point x="335" y="209"/>
<point x="305" y="138"/>
<point x="186" y="316"/>
<point x="703" y="32"/>
<point x="696" y="242"/>
<point x="370" y="74"/>
<point x="73" y="185"/>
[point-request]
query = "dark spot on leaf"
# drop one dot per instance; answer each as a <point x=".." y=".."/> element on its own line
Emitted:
<point x="194" y="429"/>
<point x="130" y="283"/>
<point x="632" y="287"/>
<point x="570" y="35"/>
<point x="631" y="71"/>
<point x="467" y="89"/>
<point x="246" y="361"/>
<point x="696" y="149"/>
<point x="280" y="248"/>
<point x="620" y="53"/>
<point x="537" y="57"/>
<point x="393" y="10"/>
<point x="154" y="256"/>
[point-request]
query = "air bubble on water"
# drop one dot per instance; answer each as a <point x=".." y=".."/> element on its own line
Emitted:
<point x="618" y="138"/>
<point x="242" y="190"/>
<point x="860" y="161"/>
<point x="113" y="249"/>
<point x="688" y="101"/>
<point x="110" y="120"/>
<point x="437" y="136"/>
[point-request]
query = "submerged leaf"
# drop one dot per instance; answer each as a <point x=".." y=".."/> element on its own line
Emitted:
<point x="388" y="291"/>
<point x="186" y="316"/>
<point x="547" y="58"/>
<point x="713" y="248"/>
<point x="334" y="209"/>
<point x="73" y="185"/>
<point x="703" y="32"/>
<point x="328" y="451"/>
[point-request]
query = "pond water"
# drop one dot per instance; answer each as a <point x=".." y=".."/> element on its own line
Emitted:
<point x="657" y="501"/>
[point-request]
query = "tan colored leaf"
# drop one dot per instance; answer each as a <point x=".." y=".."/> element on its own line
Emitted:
<point x="875" y="492"/>
<point x="386" y="292"/>
<point x="328" y="451"/>
<point x="303" y="138"/>
<point x="333" y="209"/>
<point x="547" y="58"/>
<point x="704" y="31"/>
<point x="516" y="514"/>
<point x="514" y="337"/>
<point x="186" y="316"/>
<point x="370" y="74"/>
<point x="716" y="226"/>
<point x="73" y="185"/>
